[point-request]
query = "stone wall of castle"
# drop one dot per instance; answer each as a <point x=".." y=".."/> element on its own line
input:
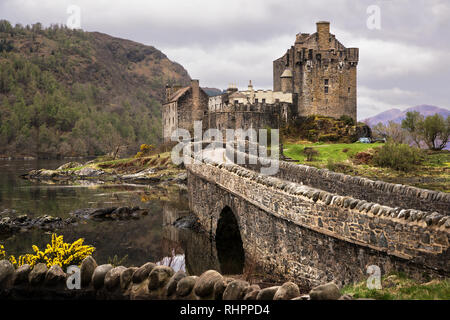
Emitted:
<point x="189" y="107"/>
<point x="246" y="116"/>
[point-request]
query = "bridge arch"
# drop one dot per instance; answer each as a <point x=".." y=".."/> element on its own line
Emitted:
<point x="230" y="250"/>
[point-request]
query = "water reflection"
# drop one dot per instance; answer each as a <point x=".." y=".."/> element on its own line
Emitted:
<point x="199" y="250"/>
<point x="151" y="238"/>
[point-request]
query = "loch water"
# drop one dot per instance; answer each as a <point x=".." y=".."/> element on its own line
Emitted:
<point x="130" y="242"/>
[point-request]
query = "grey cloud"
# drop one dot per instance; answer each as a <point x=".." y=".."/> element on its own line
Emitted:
<point x="234" y="41"/>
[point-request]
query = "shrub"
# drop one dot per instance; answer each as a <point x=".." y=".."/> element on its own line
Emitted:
<point x="310" y="153"/>
<point x="57" y="253"/>
<point x="328" y="137"/>
<point x="2" y="252"/>
<point x="347" y="120"/>
<point x="362" y="158"/>
<point x="338" y="167"/>
<point x="145" y="150"/>
<point x="397" y="156"/>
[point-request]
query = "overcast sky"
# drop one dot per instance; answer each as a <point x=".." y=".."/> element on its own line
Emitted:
<point x="404" y="63"/>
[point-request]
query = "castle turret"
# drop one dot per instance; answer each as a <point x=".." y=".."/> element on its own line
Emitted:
<point x="286" y="81"/>
<point x="323" y="32"/>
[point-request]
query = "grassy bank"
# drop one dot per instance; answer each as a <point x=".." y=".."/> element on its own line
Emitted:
<point x="400" y="287"/>
<point x="433" y="173"/>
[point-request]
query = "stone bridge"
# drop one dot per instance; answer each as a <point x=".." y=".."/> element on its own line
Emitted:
<point x="313" y="225"/>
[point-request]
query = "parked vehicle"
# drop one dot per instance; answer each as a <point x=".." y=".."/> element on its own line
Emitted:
<point x="364" y="140"/>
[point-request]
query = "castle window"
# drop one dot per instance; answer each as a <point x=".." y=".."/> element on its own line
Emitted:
<point x="326" y="86"/>
<point x="263" y="100"/>
<point x="256" y="100"/>
<point x="326" y="90"/>
<point x="349" y="89"/>
<point x="326" y="82"/>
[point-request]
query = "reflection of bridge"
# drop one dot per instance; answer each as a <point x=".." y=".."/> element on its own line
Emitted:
<point x="314" y="225"/>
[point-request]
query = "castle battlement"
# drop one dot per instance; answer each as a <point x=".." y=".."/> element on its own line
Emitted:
<point x="316" y="76"/>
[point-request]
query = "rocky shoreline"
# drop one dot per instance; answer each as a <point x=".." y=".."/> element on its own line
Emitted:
<point x="89" y="176"/>
<point x="11" y="222"/>
<point x="148" y="282"/>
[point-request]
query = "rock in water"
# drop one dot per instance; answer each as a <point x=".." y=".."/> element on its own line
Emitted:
<point x="287" y="291"/>
<point x="55" y="275"/>
<point x="87" y="270"/>
<point x="112" y="278"/>
<point x="21" y="274"/>
<point x="142" y="273"/>
<point x="98" y="278"/>
<point x="235" y="290"/>
<point x="204" y="287"/>
<point x="6" y="273"/>
<point x="37" y="275"/>
<point x="329" y="291"/>
<point x="267" y="293"/>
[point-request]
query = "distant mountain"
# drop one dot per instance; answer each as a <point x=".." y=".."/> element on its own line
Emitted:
<point x="212" y="91"/>
<point x="398" y="115"/>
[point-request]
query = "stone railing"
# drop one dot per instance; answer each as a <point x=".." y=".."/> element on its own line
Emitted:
<point x="148" y="282"/>
<point x="419" y="236"/>
<point x="395" y="195"/>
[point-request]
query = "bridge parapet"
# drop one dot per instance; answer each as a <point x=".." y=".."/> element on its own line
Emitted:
<point x="418" y="238"/>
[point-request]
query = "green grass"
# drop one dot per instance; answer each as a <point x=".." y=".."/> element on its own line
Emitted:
<point x="433" y="173"/>
<point x="327" y="152"/>
<point x="400" y="287"/>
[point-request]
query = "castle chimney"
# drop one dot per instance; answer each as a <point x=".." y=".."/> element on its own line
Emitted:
<point x="323" y="31"/>
<point x="196" y="98"/>
<point x="168" y="92"/>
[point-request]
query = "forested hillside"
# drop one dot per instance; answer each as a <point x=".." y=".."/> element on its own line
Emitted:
<point x="72" y="93"/>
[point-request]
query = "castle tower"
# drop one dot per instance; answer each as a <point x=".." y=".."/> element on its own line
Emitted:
<point x="324" y="74"/>
<point x="286" y="81"/>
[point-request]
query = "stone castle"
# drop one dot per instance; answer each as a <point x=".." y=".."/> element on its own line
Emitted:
<point x="316" y="76"/>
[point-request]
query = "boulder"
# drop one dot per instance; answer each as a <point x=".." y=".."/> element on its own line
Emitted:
<point x="173" y="282"/>
<point x="219" y="288"/>
<point x="142" y="273"/>
<point x="98" y="277"/>
<point x="328" y="291"/>
<point x="126" y="277"/>
<point x="6" y="273"/>
<point x="204" y="286"/>
<point x="235" y="290"/>
<point x="89" y="172"/>
<point x="37" y="275"/>
<point x="87" y="270"/>
<point x="267" y="293"/>
<point x="159" y="277"/>
<point x="21" y="274"/>
<point x="252" y="295"/>
<point x="112" y="278"/>
<point x="69" y="165"/>
<point x="287" y="291"/>
<point x="185" y="286"/>
<point x="55" y="276"/>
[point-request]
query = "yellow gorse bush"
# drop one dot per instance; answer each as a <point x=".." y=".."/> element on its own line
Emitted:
<point x="2" y="252"/>
<point x="56" y="253"/>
